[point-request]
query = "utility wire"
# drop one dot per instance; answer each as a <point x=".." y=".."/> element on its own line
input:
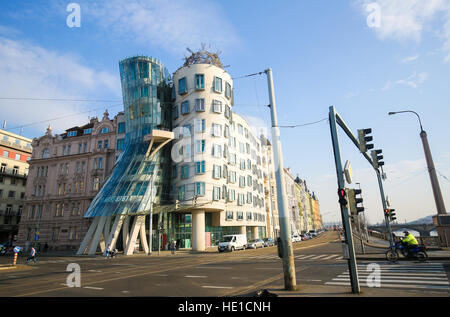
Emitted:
<point x="443" y="176"/>
<point x="248" y="75"/>
<point x="301" y="125"/>
<point x="62" y="117"/>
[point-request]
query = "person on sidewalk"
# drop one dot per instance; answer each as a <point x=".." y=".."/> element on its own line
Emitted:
<point x="32" y="255"/>
<point x="409" y="241"/>
<point x="172" y="246"/>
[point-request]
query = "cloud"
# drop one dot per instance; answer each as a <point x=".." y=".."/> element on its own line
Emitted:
<point x="30" y="71"/>
<point x="171" y="25"/>
<point x="409" y="19"/>
<point x="413" y="81"/>
<point x="410" y="59"/>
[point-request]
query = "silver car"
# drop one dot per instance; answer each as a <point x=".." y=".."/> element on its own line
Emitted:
<point x="255" y="243"/>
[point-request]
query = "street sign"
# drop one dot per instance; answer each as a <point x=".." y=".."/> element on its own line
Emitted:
<point x="348" y="172"/>
<point x="17" y="249"/>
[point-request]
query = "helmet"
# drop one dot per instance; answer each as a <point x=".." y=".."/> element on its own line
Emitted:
<point x="406" y="232"/>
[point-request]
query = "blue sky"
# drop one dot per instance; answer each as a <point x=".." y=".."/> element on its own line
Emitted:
<point x="322" y="53"/>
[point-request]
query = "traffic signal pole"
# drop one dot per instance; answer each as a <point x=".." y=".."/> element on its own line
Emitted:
<point x="283" y="212"/>
<point x="383" y="201"/>
<point x="348" y="243"/>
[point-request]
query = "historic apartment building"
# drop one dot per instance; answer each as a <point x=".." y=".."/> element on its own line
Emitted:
<point x="15" y="152"/>
<point x="65" y="173"/>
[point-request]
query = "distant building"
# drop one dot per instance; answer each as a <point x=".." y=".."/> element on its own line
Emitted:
<point x="66" y="171"/>
<point x="15" y="152"/>
<point x="273" y="223"/>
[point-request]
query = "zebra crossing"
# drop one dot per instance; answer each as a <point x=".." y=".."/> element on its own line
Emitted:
<point x="430" y="276"/>
<point x="306" y="257"/>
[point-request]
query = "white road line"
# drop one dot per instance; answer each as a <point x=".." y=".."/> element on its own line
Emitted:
<point x="401" y="281"/>
<point x="161" y="275"/>
<point x="331" y="256"/>
<point x="92" y="287"/>
<point x="196" y="276"/>
<point x="403" y="274"/>
<point x="400" y="277"/>
<point x="318" y="257"/>
<point x="394" y="285"/>
<point x="306" y="257"/>
<point x="214" y="267"/>
<point x="225" y="287"/>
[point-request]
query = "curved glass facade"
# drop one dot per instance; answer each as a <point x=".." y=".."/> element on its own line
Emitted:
<point x="146" y="91"/>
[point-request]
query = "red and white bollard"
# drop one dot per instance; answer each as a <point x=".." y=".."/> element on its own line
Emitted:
<point x="15" y="258"/>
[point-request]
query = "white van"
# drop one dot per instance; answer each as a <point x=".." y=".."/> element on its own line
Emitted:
<point x="233" y="242"/>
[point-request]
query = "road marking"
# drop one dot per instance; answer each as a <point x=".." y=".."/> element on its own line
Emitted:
<point x="331" y="256"/>
<point x="196" y="276"/>
<point x="267" y="268"/>
<point x="214" y="267"/>
<point x="394" y="285"/>
<point x="401" y="281"/>
<point x="92" y="287"/>
<point x="318" y="257"/>
<point x="224" y="287"/>
<point x="161" y="275"/>
<point x="401" y="274"/>
<point x="306" y="256"/>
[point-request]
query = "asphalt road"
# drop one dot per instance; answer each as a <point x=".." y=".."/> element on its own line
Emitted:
<point x="318" y="262"/>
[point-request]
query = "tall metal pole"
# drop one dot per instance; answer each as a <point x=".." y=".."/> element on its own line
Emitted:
<point x="348" y="243"/>
<point x="290" y="282"/>
<point x="383" y="201"/>
<point x="433" y="177"/>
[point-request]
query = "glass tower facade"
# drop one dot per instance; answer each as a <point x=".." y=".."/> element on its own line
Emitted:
<point x="137" y="180"/>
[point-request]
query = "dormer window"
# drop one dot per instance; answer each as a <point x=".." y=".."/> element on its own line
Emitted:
<point x="87" y="131"/>
<point x="104" y="130"/>
<point x="72" y="133"/>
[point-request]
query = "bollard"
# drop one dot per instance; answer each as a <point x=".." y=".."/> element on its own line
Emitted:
<point x="15" y="259"/>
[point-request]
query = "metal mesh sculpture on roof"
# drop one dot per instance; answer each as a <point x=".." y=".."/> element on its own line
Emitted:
<point x="203" y="56"/>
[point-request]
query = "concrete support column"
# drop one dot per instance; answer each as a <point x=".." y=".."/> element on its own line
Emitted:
<point x="198" y="230"/>
<point x="255" y="233"/>
<point x="243" y="230"/>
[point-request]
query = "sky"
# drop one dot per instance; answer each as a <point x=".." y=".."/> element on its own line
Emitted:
<point x="364" y="57"/>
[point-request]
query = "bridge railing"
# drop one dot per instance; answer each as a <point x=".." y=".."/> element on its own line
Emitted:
<point x="427" y="241"/>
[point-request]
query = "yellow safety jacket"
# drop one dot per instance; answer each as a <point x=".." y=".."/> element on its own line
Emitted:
<point x="410" y="239"/>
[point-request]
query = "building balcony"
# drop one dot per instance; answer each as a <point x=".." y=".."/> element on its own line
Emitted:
<point x="12" y="173"/>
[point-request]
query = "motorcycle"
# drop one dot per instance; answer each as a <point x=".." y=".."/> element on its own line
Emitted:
<point x="417" y="253"/>
<point x="111" y="254"/>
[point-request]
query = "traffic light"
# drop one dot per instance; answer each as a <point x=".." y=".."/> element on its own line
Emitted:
<point x="386" y="213"/>
<point x="177" y="204"/>
<point x="376" y="158"/>
<point x="364" y="139"/>
<point x="342" y="193"/>
<point x="195" y="199"/>
<point x="353" y="201"/>
<point x="392" y="214"/>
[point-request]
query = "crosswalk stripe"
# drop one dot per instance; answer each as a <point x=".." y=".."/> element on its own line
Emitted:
<point x="394" y="285"/>
<point x="403" y="274"/>
<point x="425" y="278"/>
<point x="318" y="257"/>
<point x="401" y="281"/>
<point x="331" y="256"/>
<point x="306" y="257"/>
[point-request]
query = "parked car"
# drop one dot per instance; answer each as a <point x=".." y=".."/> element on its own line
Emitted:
<point x="313" y="233"/>
<point x="268" y="242"/>
<point x="232" y="242"/>
<point x="303" y="237"/>
<point x="255" y="243"/>
<point x="296" y="238"/>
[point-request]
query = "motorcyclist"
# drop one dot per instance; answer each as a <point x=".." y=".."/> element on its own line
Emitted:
<point x="409" y="241"/>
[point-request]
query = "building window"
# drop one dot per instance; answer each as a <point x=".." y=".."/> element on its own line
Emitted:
<point x="240" y="215"/>
<point x="184" y="171"/>
<point x="217" y="171"/>
<point x="104" y="130"/>
<point x="216" y="129"/>
<point x="249" y="198"/>
<point x="227" y="112"/>
<point x="121" y="127"/>
<point x="241" y="181"/>
<point x="5" y="154"/>
<point x="217" y="106"/>
<point x="232" y="177"/>
<point x="175" y="113"/>
<point x="181" y="192"/>
<point x="182" y="86"/>
<point x="217" y="150"/>
<point x="72" y="133"/>
<point x="185" y="107"/>
<point x="241" y="200"/>
<point x="15" y="170"/>
<point x="199" y="125"/>
<point x="199" y="81"/>
<point x="231" y="195"/>
<point x="200" y="146"/>
<point x="217" y="84"/>
<point x="200" y="188"/>
<point x="229" y="215"/>
<point x="216" y="193"/>
<point x="228" y="90"/>
<point x="96" y="184"/>
<point x="200" y="167"/>
<point x="87" y="131"/>
<point x="120" y="144"/>
<point x="200" y="104"/>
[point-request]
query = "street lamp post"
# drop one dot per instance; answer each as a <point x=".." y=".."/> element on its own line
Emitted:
<point x="431" y="170"/>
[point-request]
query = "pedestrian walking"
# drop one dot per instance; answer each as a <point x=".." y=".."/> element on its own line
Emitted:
<point x="32" y="255"/>
<point x="172" y="246"/>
